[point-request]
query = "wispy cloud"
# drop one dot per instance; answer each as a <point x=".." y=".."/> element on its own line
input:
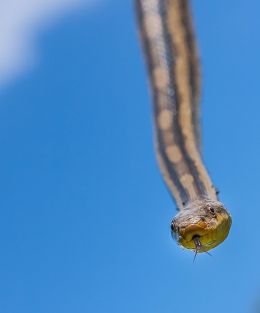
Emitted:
<point x="20" y="21"/>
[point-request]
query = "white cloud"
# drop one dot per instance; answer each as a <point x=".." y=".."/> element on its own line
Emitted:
<point x="20" y="21"/>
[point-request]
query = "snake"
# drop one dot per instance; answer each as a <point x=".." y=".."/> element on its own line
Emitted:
<point x="168" y="40"/>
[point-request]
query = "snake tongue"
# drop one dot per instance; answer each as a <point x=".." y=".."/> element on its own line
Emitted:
<point x="198" y="246"/>
<point x="197" y="243"/>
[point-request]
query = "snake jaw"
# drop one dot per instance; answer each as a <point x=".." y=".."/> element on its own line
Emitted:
<point x="207" y="220"/>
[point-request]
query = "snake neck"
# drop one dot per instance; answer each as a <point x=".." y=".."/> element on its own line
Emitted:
<point x="166" y="32"/>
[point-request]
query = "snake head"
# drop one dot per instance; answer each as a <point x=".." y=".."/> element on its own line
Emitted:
<point x="205" y="220"/>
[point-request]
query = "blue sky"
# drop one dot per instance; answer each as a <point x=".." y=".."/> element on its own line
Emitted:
<point x="84" y="219"/>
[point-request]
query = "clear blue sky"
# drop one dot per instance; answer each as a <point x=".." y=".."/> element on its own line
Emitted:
<point x="84" y="219"/>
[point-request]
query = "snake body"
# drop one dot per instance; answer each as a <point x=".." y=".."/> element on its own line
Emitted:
<point x="171" y="56"/>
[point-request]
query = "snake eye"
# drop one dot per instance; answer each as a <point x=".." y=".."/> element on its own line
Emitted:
<point x="174" y="228"/>
<point x="212" y="210"/>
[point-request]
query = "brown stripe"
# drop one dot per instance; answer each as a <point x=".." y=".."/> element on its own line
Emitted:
<point x="194" y="68"/>
<point x="182" y="78"/>
<point x="174" y="75"/>
<point x="163" y="109"/>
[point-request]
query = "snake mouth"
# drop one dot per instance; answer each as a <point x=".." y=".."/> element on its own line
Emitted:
<point x="209" y="235"/>
<point x="206" y="242"/>
<point x="189" y="231"/>
<point x="190" y="236"/>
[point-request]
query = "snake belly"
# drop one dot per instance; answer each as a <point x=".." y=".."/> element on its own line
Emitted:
<point x="171" y="55"/>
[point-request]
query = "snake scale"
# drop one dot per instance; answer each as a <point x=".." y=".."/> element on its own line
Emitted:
<point x="168" y="41"/>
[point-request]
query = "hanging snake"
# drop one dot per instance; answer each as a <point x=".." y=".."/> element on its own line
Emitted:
<point x="171" y="55"/>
